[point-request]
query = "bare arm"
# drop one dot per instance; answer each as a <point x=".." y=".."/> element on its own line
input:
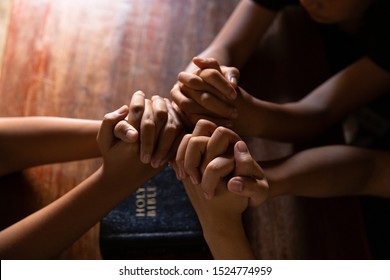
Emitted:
<point x="46" y="233"/>
<point x="49" y="231"/>
<point x="345" y="92"/>
<point x="222" y="229"/>
<point x="231" y="47"/>
<point x="239" y="36"/>
<point x="219" y="215"/>
<point x="30" y="141"/>
<point x="331" y="171"/>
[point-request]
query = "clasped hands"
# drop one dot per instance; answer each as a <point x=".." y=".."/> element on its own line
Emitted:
<point x="213" y="162"/>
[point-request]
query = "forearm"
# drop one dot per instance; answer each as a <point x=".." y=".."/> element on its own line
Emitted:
<point x="227" y="241"/>
<point x="222" y="228"/>
<point x="343" y="93"/>
<point x="331" y="171"/>
<point x="46" y="233"/>
<point x="289" y="122"/>
<point x="240" y="35"/>
<point x="30" y="141"/>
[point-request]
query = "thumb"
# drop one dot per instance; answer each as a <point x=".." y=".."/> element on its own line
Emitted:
<point x="126" y="132"/>
<point x="232" y="74"/>
<point x="106" y="135"/>
<point x="245" y="164"/>
<point x="204" y="63"/>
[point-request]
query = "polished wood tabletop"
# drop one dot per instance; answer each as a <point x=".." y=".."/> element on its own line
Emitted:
<point x="82" y="59"/>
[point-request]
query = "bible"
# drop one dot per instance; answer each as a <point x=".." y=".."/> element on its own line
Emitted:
<point x="156" y="222"/>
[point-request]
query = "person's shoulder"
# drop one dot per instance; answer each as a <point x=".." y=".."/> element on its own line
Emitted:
<point x="276" y="5"/>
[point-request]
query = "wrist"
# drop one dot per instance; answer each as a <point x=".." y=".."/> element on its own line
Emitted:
<point x="126" y="181"/>
<point x="221" y="227"/>
<point x="249" y="109"/>
<point x="228" y="241"/>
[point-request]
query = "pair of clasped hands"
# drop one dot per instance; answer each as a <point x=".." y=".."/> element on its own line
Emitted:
<point x="215" y="166"/>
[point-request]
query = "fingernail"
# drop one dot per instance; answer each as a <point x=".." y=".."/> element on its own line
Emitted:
<point x="179" y="174"/>
<point x="180" y="171"/>
<point x="146" y="158"/>
<point x="140" y="92"/>
<point x="200" y="58"/>
<point x="241" y="147"/>
<point x="236" y="185"/>
<point x="233" y="80"/>
<point x="156" y="163"/>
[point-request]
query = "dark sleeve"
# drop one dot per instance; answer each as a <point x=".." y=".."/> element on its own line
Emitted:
<point x="376" y="35"/>
<point x="275" y="5"/>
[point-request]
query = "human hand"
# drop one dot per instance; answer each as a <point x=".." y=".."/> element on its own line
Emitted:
<point x="207" y="153"/>
<point x="221" y="221"/>
<point x="159" y="127"/>
<point x="197" y="150"/>
<point x="119" y="157"/>
<point x="231" y="74"/>
<point x="248" y="177"/>
<point x="207" y="93"/>
<point x="205" y="156"/>
<point x="202" y="157"/>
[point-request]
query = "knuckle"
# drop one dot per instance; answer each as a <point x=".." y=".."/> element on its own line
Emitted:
<point x="203" y="123"/>
<point x="193" y="81"/>
<point x="221" y="130"/>
<point x="174" y="91"/>
<point x="212" y="60"/>
<point x="187" y="137"/>
<point x="161" y="115"/>
<point x="186" y="105"/>
<point x="137" y="109"/>
<point x="171" y="128"/>
<point x="148" y="124"/>
<point x="193" y="141"/>
<point x="188" y="79"/>
<point x="109" y="117"/>
<point x="212" y="167"/>
<point x="209" y="73"/>
<point x="263" y="184"/>
<point x="181" y="75"/>
<point x="206" y="98"/>
<point x="247" y="160"/>
<point x="226" y="132"/>
<point x="121" y="127"/>
<point x="156" y="97"/>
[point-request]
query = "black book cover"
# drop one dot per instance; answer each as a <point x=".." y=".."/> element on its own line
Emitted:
<point x="156" y="222"/>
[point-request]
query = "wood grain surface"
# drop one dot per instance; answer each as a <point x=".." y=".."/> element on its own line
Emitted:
<point x="82" y="59"/>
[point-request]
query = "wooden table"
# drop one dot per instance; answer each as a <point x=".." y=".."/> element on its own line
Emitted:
<point x="82" y="59"/>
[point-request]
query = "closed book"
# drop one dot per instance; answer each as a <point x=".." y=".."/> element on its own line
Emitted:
<point x="156" y="222"/>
